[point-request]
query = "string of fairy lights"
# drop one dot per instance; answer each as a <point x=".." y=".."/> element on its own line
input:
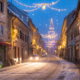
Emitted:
<point x="43" y="5"/>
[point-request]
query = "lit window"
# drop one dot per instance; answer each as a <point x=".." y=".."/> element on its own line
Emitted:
<point x="1" y="30"/>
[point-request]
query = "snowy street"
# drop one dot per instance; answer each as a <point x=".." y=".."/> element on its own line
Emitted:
<point x="49" y="68"/>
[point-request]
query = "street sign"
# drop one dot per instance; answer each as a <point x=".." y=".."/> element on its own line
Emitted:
<point x="72" y="43"/>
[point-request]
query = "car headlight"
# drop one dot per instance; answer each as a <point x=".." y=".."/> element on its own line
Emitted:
<point x="37" y="58"/>
<point x="30" y="57"/>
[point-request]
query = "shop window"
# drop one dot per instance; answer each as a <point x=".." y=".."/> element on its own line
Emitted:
<point x="1" y="30"/>
<point x="1" y="7"/>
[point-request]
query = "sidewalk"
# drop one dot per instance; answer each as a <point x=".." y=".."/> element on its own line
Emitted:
<point x="78" y="65"/>
<point x="20" y="64"/>
<point x="12" y="66"/>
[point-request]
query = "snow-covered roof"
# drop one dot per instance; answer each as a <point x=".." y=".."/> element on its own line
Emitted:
<point x="21" y="15"/>
<point x="73" y="15"/>
<point x="70" y="17"/>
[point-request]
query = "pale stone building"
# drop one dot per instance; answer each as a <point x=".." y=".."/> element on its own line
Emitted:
<point x="73" y="36"/>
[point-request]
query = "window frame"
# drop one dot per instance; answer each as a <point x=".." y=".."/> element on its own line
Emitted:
<point x="1" y="7"/>
<point x="2" y="31"/>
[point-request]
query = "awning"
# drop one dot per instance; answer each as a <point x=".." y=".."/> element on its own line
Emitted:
<point x="3" y="43"/>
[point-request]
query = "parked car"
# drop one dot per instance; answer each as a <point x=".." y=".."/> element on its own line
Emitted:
<point x="44" y="55"/>
<point x="34" y="57"/>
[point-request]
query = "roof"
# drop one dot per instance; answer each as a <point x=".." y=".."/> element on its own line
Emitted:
<point x="22" y="16"/>
<point x="76" y="14"/>
<point x="70" y="17"/>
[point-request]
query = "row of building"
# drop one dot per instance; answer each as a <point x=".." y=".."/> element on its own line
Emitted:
<point x="19" y="38"/>
<point x="68" y="46"/>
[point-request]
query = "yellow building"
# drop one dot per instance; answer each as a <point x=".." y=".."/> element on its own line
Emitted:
<point x="62" y="41"/>
<point x="37" y="42"/>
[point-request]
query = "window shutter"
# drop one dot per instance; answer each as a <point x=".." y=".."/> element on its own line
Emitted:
<point x="0" y="6"/>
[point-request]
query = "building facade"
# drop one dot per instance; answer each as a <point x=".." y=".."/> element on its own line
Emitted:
<point x="19" y="38"/>
<point x="4" y="44"/>
<point x="73" y="37"/>
<point x="37" y="42"/>
<point x="18" y="34"/>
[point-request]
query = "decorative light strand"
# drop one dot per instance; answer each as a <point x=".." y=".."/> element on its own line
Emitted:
<point x="32" y="10"/>
<point x="43" y="5"/>
<point x="24" y="4"/>
<point x="57" y="9"/>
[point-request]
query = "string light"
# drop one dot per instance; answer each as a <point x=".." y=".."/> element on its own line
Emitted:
<point x="24" y="4"/>
<point x="43" y="5"/>
<point x="32" y="10"/>
<point x="57" y="9"/>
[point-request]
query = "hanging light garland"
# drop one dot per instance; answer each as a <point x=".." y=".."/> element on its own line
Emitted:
<point x="25" y="5"/>
<point x="43" y="5"/>
<point x="32" y="10"/>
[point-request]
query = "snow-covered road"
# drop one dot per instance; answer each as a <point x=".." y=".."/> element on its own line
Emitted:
<point x="49" y="68"/>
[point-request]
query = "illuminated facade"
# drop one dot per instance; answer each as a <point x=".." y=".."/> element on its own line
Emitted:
<point x="62" y="41"/>
<point x="73" y="36"/>
<point x="18" y="34"/>
<point x="36" y="40"/>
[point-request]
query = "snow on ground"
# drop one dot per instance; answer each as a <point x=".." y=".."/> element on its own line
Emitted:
<point x="69" y="71"/>
<point x="49" y="68"/>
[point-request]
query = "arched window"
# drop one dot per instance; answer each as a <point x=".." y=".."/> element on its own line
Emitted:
<point x="1" y="30"/>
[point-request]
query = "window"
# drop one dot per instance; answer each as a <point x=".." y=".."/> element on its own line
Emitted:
<point x="14" y="52"/>
<point x="26" y="38"/>
<point x="1" y="30"/>
<point x="72" y="36"/>
<point x="1" y="7"/>
<point x="21" y="36"/>
<point x="77" y="51"/>
<point x="76" y="32"/>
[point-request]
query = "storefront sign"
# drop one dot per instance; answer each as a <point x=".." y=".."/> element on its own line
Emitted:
<point x="72" y="43"/>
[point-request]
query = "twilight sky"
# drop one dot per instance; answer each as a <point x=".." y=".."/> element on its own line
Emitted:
<point x="41" y="18"/>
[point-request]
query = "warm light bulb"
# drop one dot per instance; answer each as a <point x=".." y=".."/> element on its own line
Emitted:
<point x="43" y="7"/>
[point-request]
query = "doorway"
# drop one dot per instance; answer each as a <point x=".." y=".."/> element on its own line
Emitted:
<point x="18" y="55"/>
<point x="22" y="54"/>
<point x="2" y="54"/>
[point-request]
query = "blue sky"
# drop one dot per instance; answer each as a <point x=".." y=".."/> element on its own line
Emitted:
<point x="41" y="18"/>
